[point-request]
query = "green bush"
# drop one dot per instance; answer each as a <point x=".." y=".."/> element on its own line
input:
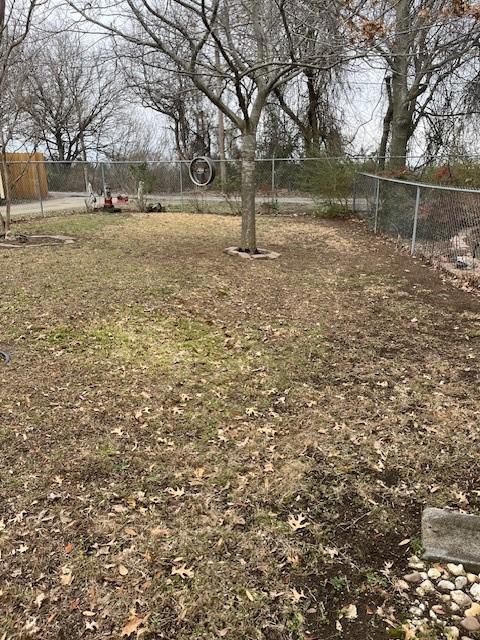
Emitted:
<point x="331" y="210"/>
<point x="142" y="173"/>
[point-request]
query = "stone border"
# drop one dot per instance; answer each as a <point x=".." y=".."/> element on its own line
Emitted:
<point x="263" y="254"/>
<point x="4" y="244"/>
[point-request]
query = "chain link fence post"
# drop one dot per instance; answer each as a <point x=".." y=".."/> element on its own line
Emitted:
<point x="181" y="181"/>
<point x="273" y="182"/>
<point x="39" y="189"/>
<point x="377" y="199"/>
<point x="354" y="194"/>
<point x="415" y="221"/>
<point x="104" y="184"/>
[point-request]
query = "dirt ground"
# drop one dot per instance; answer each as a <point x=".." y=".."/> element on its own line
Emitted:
<point x="197" y="446"/>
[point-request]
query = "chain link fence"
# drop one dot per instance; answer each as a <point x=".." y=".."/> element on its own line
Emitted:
<point x="437" y="222"/>
<point x="40" y="187"/>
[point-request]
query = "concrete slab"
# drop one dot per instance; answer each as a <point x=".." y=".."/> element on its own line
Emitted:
<point x="451" y="536"/>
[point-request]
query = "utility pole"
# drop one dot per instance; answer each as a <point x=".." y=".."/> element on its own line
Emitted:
<point x="221" y="127"/>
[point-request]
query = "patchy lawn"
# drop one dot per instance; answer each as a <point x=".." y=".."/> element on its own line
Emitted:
<point x="195" y="446"/>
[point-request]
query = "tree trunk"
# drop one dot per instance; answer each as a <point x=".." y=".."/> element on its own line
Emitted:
<point x="248" y="240"/>
<point x="387" y="123"/>
<point x="401" y="127"/>
<point x="5" y="220"/>
<point x="221" y="151"/>
<point x="401" y="119"/>
<point x="221" y="127"/>
<point x="312" y="116"/>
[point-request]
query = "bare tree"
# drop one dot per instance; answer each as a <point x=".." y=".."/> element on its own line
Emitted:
<point x="422" y="43"/>
<point x="261" y="46"/>
<point x="73" y="98"/>
<point x="16" y="17"/>
<point x="312" y="105"/>
<point x="172" y="94"/>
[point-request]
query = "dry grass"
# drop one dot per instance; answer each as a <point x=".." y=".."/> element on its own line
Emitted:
<point x="198" y="447"/>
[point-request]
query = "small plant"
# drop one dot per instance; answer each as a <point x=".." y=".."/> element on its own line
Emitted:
<point x="331" y="210"/>
<point x="416" y="546"/>
<point x="269" y="207"/>
<point x="339" y="583"/>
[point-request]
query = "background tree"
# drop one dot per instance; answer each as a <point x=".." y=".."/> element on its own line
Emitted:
<point x="16" y="18"/>
<point x="422" y="43"/>
<point x="172" y="94"/>
<point x="73" y="98"/>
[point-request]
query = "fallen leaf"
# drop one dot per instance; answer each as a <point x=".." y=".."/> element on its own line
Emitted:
<point x="297" y="522"/>
<point x="293" y="559"/>
<point x="349" y="612"/>
<point x="69" y="548"/>
<point x="39" y="599"/>
<point x="158" y="531"/>
<point x="409" y="632"/>
<point x="132" y="624"/>
<point x="66" y="577"/>
<point x="91" y="625"/>
<point x="296" y="596"/>
<point x="404" y="542"/>
<point x="183" y="572"/>
<point x="131" y="532"/>
<point x="178" y="492"/>
<point x="249" y="595"/>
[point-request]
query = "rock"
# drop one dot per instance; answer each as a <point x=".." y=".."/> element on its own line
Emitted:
<point x="454" y="607"/>
<point x="402" y="585"/>
<point x="472" y="578"/>
<point x="413" y="577"/>
<point x="424" y="575"/>
<point x="465" y="638"/>
<point x="438" y="610"/>
<point x="475" y="591"/>
<point x="445" y="585"/>
<point x="451" y="536"/>
<point x="414" y="562"/>
<point x="470" y="623"/>
<point x="434" y="573"/>
<point x="473" y="611"/>
<point x="452" y="633"/>
<point x="461" y="598"/>
<point x="445" y="597"/>
<point x="427" y="586"/>
<point x="461" y="582"/>
<point x="416" y="611"/>
<point x="456" y="569"/>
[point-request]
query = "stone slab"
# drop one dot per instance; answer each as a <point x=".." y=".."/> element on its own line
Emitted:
<point x="451" y="536"/>
<point x="263" y="254"/>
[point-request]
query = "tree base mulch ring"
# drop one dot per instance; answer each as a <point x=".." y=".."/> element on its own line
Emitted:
<point x="19" y="241"/>
<point x="262" y="254"/>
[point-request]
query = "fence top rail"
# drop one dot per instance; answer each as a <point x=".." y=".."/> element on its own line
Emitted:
<point x="425" y="185"/>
